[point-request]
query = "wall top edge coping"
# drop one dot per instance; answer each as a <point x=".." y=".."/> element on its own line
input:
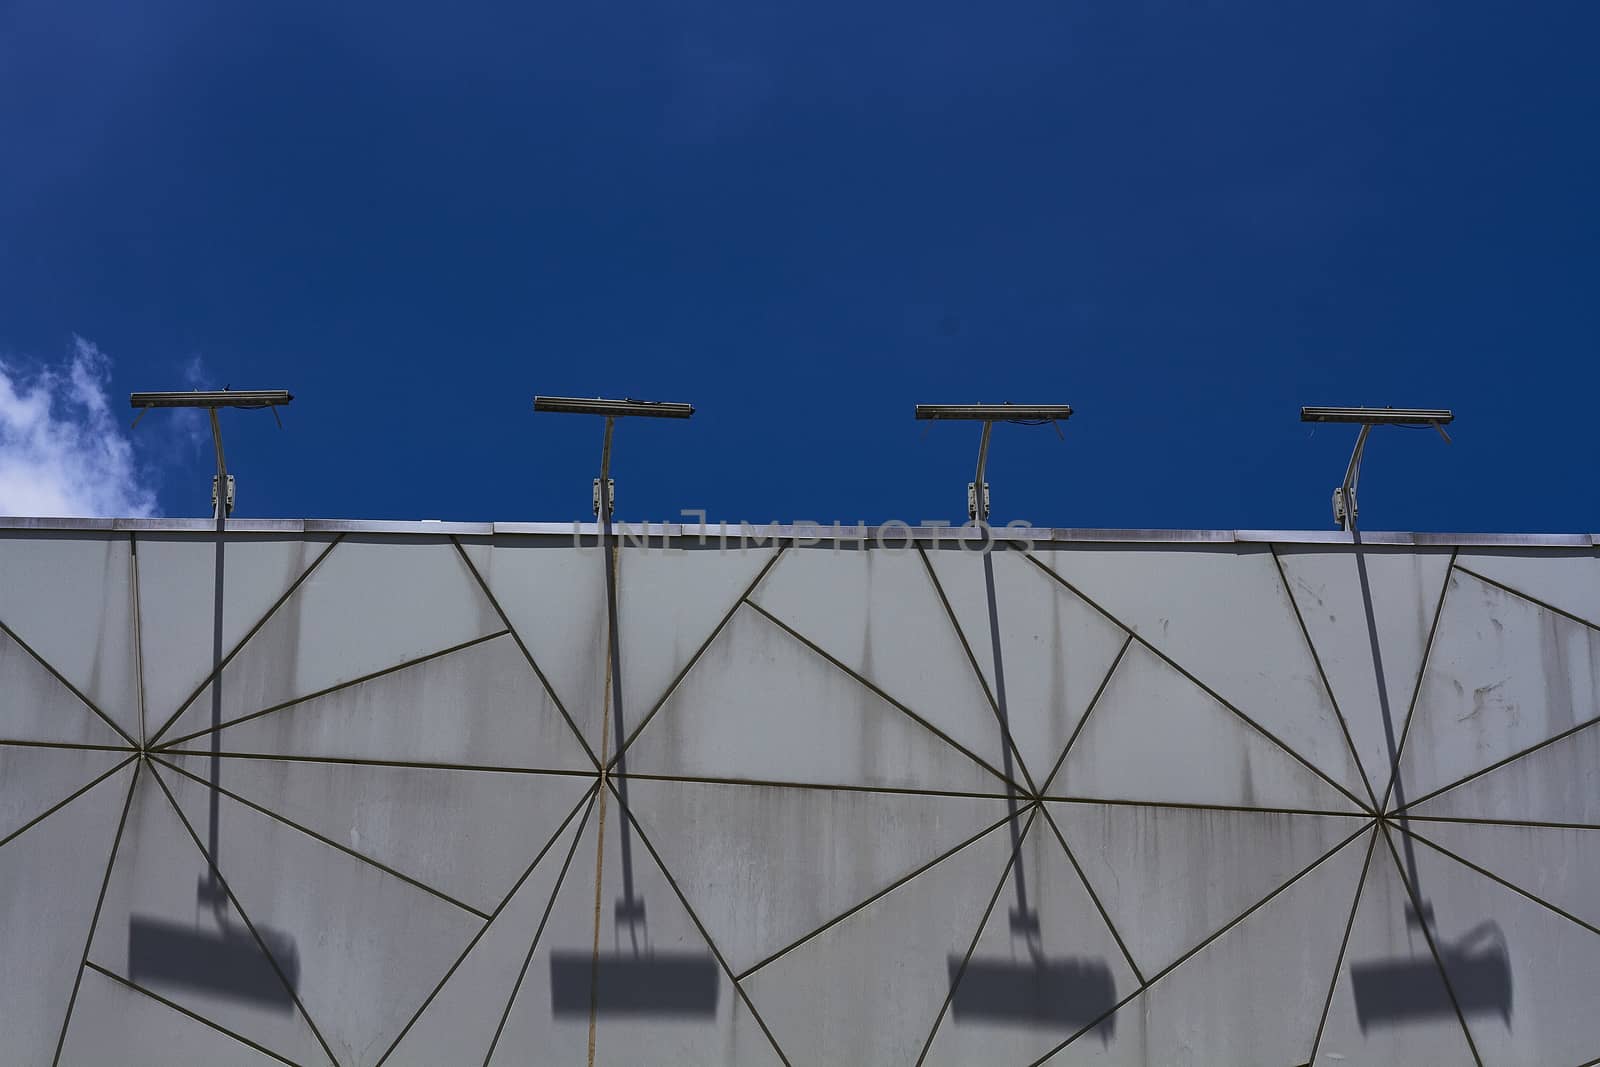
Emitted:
<point x="892" y="533"/>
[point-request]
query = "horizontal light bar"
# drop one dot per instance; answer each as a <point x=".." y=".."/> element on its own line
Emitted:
<point x="577" y="405"/>
<point x="995" y="412"/>
<point x="225" y="398"/>
<point x="1380" y="416"/>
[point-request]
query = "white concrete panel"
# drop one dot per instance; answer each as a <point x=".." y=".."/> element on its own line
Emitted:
<point x="1504" y="675"/>
<point x="371" y="947"/>
<point x="1554" y="966"/>
<point x="177" y="603"/>
<point x="877" y="612"/>
<point x="459" y="1024"/>
<point x="1383" y="942"/>
<point x="156" y="930"/>
<point x="761" y="705"/>
<point x="1252" y="996"/>
<point x="1011" y="1007"/>
<point x="1560" y="866"/>
<point x="416" y="769"/>
<point x="763" y="866"/>
<point x="1402" y="587"/>
<point x="869" y="989"/>
<point x="1054" y="648"/>
<point x="370" y="606"/>
<point x="34" y="779"/>
<point x="1557" y="783"/>
<point x="49" y="881"/>
<point x="555" y="596"/>
<point x="1568" y="579"/>
<point x="1223" y="613"/>
<point x="1171" y="877"/>
<point x="70" y="598"/>
<point x="660" y="995"/>
<point x="1155" y="736"/>
<point x="35" y="706"/>
<point x="468" y="834"/>
<point x="670" y="601"/>
<point x="114" y="1024"/>
<point x="480" y="706"/>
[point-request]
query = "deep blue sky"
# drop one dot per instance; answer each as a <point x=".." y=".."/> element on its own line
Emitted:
<point x="1185" y="219"/>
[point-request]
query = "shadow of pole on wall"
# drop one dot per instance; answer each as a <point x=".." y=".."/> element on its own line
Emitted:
<point x="1477" y="967"/>
<point x="1035" y="990"/>
<point x="638" y="980"/>
<point x="1471" y="975"/>
<point x="211" y="955"/>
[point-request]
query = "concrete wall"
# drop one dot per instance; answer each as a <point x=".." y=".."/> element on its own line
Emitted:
<point x="821" y="845"/>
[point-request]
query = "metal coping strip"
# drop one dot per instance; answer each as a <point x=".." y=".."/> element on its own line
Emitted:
<point x="821" y="533"/>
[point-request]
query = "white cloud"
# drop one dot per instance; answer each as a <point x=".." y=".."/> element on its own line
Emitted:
<point x="188" y="427"/>
<point x="62" y="452"/>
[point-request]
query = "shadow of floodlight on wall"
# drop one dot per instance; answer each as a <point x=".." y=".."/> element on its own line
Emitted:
<point x="225" y="964"/>
<point x="658" y="983"/>
<point x="1392" y="992"/>
<point x="1035" y="992"/>
<point x="640" y="981"/>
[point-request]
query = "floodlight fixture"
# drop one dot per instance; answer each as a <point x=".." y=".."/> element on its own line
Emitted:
<point x="216" y="398"/>
<point x="995" y="412"/>
<point x="1380" y="416"/>
<point x="1344" y="497"/>
<point x="574" y="405"/>
<point x="989" y="414"/>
